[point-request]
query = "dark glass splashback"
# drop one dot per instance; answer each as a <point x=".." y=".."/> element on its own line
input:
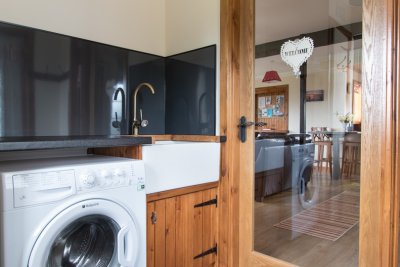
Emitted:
<point x="190" y="102"/>
<point x="56" y="85"/>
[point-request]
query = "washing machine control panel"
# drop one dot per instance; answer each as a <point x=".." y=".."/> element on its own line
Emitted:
<point x="104" y="178"/>
<point x="110" y="176"/>
<point x="54" y="183"/>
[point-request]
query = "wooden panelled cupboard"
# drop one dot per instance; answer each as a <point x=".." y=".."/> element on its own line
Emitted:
<point x="181" y="230"/>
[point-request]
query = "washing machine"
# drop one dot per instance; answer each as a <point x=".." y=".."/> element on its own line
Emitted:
<point x="299" y="164"/>
<point x="79" y="211"/>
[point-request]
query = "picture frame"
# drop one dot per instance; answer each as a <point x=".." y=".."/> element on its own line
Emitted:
<point x="314" y="95"/>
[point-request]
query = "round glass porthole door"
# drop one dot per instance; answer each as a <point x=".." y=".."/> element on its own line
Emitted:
<point x="308" y="185"/>
<point x="91" y="233"/>
<point x="88" y="241"/>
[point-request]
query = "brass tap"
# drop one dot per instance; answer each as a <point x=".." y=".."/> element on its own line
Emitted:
<point x="139" y="123"/>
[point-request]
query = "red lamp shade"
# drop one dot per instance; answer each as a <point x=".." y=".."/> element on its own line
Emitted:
<point x="271" y="76"/>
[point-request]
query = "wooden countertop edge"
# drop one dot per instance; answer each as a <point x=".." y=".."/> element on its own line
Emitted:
<point x="180" y="191"/>
<point x="192" y="138"/>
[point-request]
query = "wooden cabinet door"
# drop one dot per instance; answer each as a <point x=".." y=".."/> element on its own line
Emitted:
<point x="177" y="231"/>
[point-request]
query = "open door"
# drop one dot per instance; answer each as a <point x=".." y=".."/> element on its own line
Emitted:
<point x="378" y="200"/>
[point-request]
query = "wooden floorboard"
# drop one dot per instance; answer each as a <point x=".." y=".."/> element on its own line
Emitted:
<point x="297" y="248"/>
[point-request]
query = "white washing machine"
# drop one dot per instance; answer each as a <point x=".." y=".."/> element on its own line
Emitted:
<point x="305" y="184"/>
<point x="300" y="164"/>
<point x="81" y="211"/>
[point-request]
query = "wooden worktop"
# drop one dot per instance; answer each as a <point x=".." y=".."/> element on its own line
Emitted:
<point x="189" y="138"/>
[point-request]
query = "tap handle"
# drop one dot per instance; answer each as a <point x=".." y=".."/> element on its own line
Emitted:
<point x="143" y="123"/>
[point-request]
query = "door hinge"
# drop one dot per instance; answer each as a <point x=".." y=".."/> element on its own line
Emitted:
<point x="153" y="217"/>
<point x="205" y="253"/>
<point x="207" y="203"/>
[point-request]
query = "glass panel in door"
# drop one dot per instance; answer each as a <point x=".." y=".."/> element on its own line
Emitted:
<point x="307" y="151"/>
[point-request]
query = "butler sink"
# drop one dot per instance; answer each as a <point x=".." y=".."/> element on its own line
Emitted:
<point x="175" y="164"/>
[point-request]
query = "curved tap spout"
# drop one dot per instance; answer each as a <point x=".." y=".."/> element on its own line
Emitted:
<point x="117" y="92"/>
<point x="136" y="122"/>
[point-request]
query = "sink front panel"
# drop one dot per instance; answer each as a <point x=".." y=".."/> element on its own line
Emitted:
<point x="170" y="165"/>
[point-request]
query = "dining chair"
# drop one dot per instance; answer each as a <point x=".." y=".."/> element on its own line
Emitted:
<point x="351" y="158"/>
<point x="323" y="142"/>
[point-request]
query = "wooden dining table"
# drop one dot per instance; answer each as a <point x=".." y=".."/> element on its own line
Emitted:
<point x="337" y="137"/>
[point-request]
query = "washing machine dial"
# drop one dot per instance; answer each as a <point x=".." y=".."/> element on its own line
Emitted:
<point x="105" y="178"/>
<point x="88" y="179"/>
<point x="119" y="177"/>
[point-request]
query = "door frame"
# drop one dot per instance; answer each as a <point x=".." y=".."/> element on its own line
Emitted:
<point x="379" y="211"/>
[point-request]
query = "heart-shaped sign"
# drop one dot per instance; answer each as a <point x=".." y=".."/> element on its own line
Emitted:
<point x="296" y="52"/>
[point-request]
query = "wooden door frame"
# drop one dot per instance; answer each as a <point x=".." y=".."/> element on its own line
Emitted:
<point x="379" y="183"/>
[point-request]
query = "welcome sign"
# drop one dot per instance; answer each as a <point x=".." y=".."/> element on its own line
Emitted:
<point x="296" y="52"/>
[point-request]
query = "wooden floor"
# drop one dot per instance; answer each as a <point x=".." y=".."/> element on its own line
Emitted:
<point x="301" y="249"/>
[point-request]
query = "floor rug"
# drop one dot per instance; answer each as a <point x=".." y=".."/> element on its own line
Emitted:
<point x="328" y="220"/>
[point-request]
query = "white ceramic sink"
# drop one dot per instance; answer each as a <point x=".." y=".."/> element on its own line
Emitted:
<point x="175" y="164"/>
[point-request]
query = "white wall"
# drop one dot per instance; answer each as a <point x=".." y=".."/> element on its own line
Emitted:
<point x="191" y="24"/>
<point x="134" y="24"/>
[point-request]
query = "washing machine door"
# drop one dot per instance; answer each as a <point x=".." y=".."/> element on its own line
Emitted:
<point x="92" y="233"/>
<point x="308" y="184"/>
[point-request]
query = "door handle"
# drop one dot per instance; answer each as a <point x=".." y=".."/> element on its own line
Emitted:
<point x="121" y="248"/>
<point x="243" y="124"/>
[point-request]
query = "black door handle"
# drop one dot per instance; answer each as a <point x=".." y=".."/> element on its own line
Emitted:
<point x="243" y="124"/>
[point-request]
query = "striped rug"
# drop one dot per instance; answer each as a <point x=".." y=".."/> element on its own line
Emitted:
<point x="328" y="220"/>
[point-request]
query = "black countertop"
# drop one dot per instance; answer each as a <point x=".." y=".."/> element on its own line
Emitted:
<point x="50" y="142"/>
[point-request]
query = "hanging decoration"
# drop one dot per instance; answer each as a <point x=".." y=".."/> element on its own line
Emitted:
<point x="296" y="52"/>
<point x="344" y="65"/>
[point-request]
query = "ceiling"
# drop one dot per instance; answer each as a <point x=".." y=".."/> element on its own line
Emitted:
<point x="280" y="19"/>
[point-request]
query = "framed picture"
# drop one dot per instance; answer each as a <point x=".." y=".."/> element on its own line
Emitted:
<point x="268" y="100"/>
<point x="270" y="112"/>
<point x="261" y="102"/>
<point x="280" y="99"/>
<point x="314" y="95"/>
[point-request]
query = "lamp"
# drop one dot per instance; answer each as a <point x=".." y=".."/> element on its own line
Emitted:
<point x="271" y="76"/>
